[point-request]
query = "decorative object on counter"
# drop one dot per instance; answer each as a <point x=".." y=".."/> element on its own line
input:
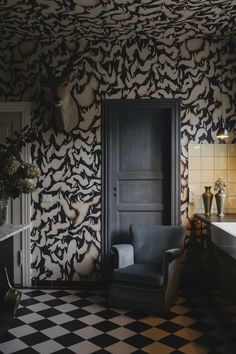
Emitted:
<point x="15" y="174"/>
<point x="207" y="197"/>
<point x="220" y="185"/>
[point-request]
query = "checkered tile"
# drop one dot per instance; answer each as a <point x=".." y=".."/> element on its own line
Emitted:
<point x="72" y="321"/>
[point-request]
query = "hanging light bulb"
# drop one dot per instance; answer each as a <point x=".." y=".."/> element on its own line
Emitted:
<point x="222" y="132"/>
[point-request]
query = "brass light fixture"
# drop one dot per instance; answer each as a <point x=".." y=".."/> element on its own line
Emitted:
<point x="222" y="132"/>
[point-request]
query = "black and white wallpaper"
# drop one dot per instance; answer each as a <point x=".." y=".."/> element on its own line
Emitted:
<point x="116" y="19"/>
<point x="66" y="233"/>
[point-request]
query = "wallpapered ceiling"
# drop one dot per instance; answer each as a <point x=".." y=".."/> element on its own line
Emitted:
<point x="99" y="19"/>
<point x="66" y="234"/>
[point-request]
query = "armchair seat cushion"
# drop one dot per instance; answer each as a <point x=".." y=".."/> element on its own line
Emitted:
<point x="143" y="275"/>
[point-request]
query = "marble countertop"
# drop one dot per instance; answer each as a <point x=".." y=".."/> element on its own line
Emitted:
<point x="224" y="236"/>
<point x="9" y="230"/>
<point x="214" y="218"/>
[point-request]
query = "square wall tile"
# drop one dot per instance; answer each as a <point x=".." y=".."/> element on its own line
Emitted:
<point x="208" y="163"/>
<point x="232" y="189"/>
<point x="194" y="163"/>
<point x="232" y="211"/>
<point x="231" y="202"/>
<point x="221" y="149"/>
<point x="220" y="163"/>
<point x="195" y="176"/>
<point x="207" y="149"/>
<point x="208" y="177"/>
<point x="232" y="176"/>
<point x="194" y="149"/>
<point x="232" y="150"/>
<point x="197" y="187"/>
<point x="231" y="163"/>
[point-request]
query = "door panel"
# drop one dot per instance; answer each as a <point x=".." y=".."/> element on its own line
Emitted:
<point x="138" y="168"/>
<point x="13" y="117"/>
<point x="139" y="132"/>
<point x="141" y="166"/>
<point x="140" y="192"/>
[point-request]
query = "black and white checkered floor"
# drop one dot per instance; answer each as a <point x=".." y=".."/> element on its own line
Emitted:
<point x="72" y="321"/>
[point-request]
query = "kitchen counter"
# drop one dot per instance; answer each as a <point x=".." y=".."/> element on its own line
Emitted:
<point x="221" y="237"/>
<point x="209" y="219"/>
<point x="9" y="230"/>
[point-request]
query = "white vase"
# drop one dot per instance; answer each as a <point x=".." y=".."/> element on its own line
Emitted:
<point x="220" y="202"/>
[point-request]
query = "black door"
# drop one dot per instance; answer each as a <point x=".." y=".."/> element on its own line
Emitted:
<point x="141" y="166"/>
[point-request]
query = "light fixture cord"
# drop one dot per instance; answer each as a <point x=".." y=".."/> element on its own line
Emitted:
<point x="221" y="76"/>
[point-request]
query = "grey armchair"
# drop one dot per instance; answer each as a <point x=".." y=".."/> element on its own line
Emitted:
<point x="146" y="273"/>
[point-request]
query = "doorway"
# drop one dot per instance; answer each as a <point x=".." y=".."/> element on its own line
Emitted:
<point x="141" y="167"/>
<point x="16" y="250"/>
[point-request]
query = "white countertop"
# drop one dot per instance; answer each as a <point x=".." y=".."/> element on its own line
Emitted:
<point x="9" y="230"/>
<point x="223" y="234"/>
<point x="227" y="226"/>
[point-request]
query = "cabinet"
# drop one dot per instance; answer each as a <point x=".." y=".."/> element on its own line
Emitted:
<point x="221" y="267"/>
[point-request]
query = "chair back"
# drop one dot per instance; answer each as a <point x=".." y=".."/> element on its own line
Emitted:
<point x="151" y="241"/>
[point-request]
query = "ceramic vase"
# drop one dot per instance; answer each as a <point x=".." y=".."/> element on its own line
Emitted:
<point x="207" y="197"/>
<point x="220" y="202"/>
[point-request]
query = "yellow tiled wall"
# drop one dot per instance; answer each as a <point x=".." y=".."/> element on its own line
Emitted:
<point x="207" y="162"/>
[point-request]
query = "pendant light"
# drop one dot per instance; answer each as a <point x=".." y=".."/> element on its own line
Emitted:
<point x="222" y="132"/>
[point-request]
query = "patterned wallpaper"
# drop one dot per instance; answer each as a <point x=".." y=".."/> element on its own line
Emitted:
<point x="116" y="19"/>
<point x="66" y="234"/>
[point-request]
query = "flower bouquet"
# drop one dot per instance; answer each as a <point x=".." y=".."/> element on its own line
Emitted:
<point x="220" y="184"/>
<point x="15" y="173"/>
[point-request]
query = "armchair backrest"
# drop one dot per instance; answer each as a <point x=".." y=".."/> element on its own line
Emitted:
<point x="151" y="241"/>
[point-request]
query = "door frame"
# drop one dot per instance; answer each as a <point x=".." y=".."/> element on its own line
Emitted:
<point x="107" y="107"/>
<point x="22" y="242"/>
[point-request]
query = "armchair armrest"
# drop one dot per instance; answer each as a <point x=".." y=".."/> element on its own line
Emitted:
<point x="123" y="255"/>
<point x="172" y="253"/>
<point x="169" y="256"/>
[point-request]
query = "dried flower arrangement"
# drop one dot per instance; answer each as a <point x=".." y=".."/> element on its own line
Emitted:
<point x="16" y="174"/>
<point x="220" y="184"/>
